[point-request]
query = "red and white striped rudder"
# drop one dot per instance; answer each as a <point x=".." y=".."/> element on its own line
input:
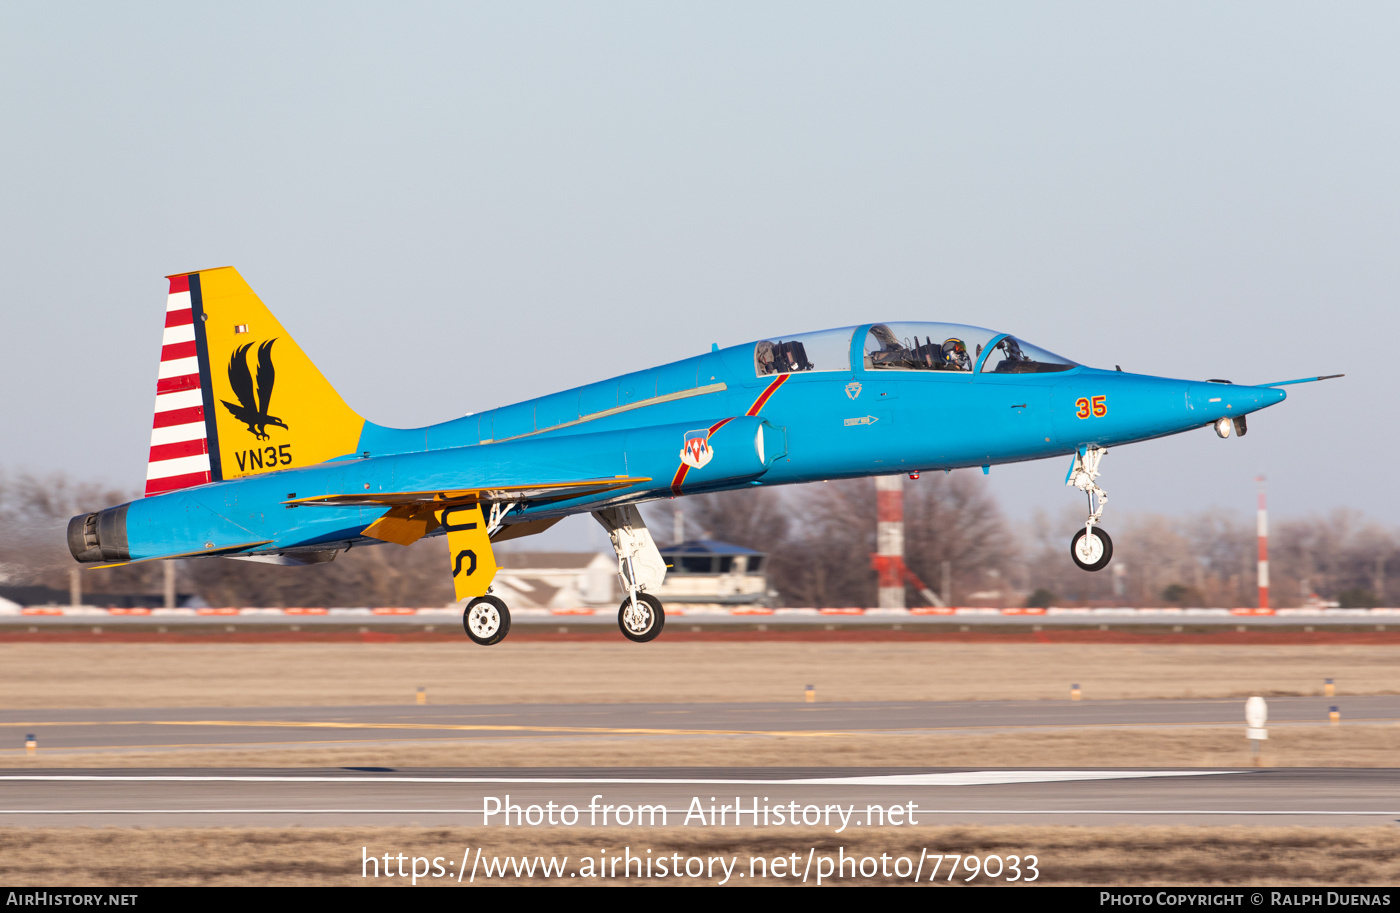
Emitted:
<point x="179" y="455"/>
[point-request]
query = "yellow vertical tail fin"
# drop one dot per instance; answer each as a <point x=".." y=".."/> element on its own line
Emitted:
<point x="236" y="395"/>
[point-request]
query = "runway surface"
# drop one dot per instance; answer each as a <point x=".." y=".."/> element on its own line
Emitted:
<point x="829" y="799"/>
<point x="270" y="797"/>
<point x="98" y="732"/>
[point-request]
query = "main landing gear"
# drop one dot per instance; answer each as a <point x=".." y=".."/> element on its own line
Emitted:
<point x="1091" y="548"/>
<point x="486" y="620"/>
<point x="641" y="617"/>
<point x="641" y="568"/>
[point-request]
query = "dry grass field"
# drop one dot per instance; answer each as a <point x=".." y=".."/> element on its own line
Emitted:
<point x="1289" y="746"/>
<point x="1336" y="858"/>
<point x="296" y="674"/>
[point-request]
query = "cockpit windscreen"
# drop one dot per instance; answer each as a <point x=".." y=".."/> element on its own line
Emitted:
<point x="1011" y="356"/>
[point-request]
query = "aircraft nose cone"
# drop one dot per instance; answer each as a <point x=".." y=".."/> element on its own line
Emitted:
<point x="1216" y="400"/>
<point x="1249" y="399"/>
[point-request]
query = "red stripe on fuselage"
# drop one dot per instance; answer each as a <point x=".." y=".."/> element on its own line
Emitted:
<point x="679" y="478"/>
<point x="768" y="392"/>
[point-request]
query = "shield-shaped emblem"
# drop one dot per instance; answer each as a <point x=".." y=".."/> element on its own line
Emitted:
<point x="853" y="389"/>
<point x="697" y="450"/>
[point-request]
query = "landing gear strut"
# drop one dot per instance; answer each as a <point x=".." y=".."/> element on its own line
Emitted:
<point x="486" y="620"/>
<point x="1091" y="548"/>
<point x="641" y="568"/>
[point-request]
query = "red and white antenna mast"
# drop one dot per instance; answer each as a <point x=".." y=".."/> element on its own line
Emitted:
<point x="888" y="559"/>
<point x="1263" y="547"/>
<point x="889" y="540"/>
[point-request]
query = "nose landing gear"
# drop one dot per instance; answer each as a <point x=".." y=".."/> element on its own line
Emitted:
<point x="1091" y="548"/>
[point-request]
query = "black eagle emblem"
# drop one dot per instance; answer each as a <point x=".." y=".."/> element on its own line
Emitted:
<point x="241" y="380"/>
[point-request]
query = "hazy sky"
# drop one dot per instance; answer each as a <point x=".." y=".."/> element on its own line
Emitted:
<point x="457" y="206"/>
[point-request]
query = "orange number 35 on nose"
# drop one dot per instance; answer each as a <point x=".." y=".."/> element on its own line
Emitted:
<point x="1084" y="407"/>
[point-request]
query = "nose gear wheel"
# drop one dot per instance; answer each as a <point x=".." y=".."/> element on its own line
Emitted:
<point x="486" y="620"/>
<point x="1091" y="549"/>
<point x="642" y="618"/>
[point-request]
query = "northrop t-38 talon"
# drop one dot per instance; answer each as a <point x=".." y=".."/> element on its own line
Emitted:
<point x="255" y="456"/>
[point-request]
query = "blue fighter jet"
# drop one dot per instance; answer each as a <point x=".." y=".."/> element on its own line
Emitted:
<point x="265" y="462"/>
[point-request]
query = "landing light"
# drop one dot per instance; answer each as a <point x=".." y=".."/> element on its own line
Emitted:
<point x="1223" y="425"/>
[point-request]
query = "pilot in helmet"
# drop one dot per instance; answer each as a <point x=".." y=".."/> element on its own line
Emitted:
<point x="955" y="355"/>
<point x="1012" y="349"/>
<point x="763" y="357"/>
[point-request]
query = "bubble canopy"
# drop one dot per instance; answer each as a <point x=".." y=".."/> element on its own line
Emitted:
<point x="909" y="346"/>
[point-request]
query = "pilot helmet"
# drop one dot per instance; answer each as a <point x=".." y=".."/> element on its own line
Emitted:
<point x="763" y="353"/>
<point x="955" y="350"/>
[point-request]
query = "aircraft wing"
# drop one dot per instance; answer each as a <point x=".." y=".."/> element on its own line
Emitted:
<point x="414" y="514"/>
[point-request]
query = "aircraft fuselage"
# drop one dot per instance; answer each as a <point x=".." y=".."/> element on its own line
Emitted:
<point x="861" y="419"/>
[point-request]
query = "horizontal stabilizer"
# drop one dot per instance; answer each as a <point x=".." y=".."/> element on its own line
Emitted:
<point x="223" y="550"/>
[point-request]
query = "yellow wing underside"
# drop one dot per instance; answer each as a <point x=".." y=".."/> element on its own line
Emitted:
<point x="414" y="514"/>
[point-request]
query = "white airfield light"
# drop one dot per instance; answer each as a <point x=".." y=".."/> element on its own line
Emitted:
<point x="1256" y="714"/>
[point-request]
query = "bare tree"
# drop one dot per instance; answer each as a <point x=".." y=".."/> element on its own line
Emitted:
<point x="370" y="575"/>
<point x="1342" y="553"/>
<point x="953" y="518"/>
<point x="754" y="518"/>
<point x="826" y="560"/>
<point x="34" y="514"/>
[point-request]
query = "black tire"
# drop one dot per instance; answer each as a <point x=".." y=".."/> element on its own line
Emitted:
<point x="491" y="621"/>
<point x="1103" y="559"/>
<point x="657" y="619"/>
